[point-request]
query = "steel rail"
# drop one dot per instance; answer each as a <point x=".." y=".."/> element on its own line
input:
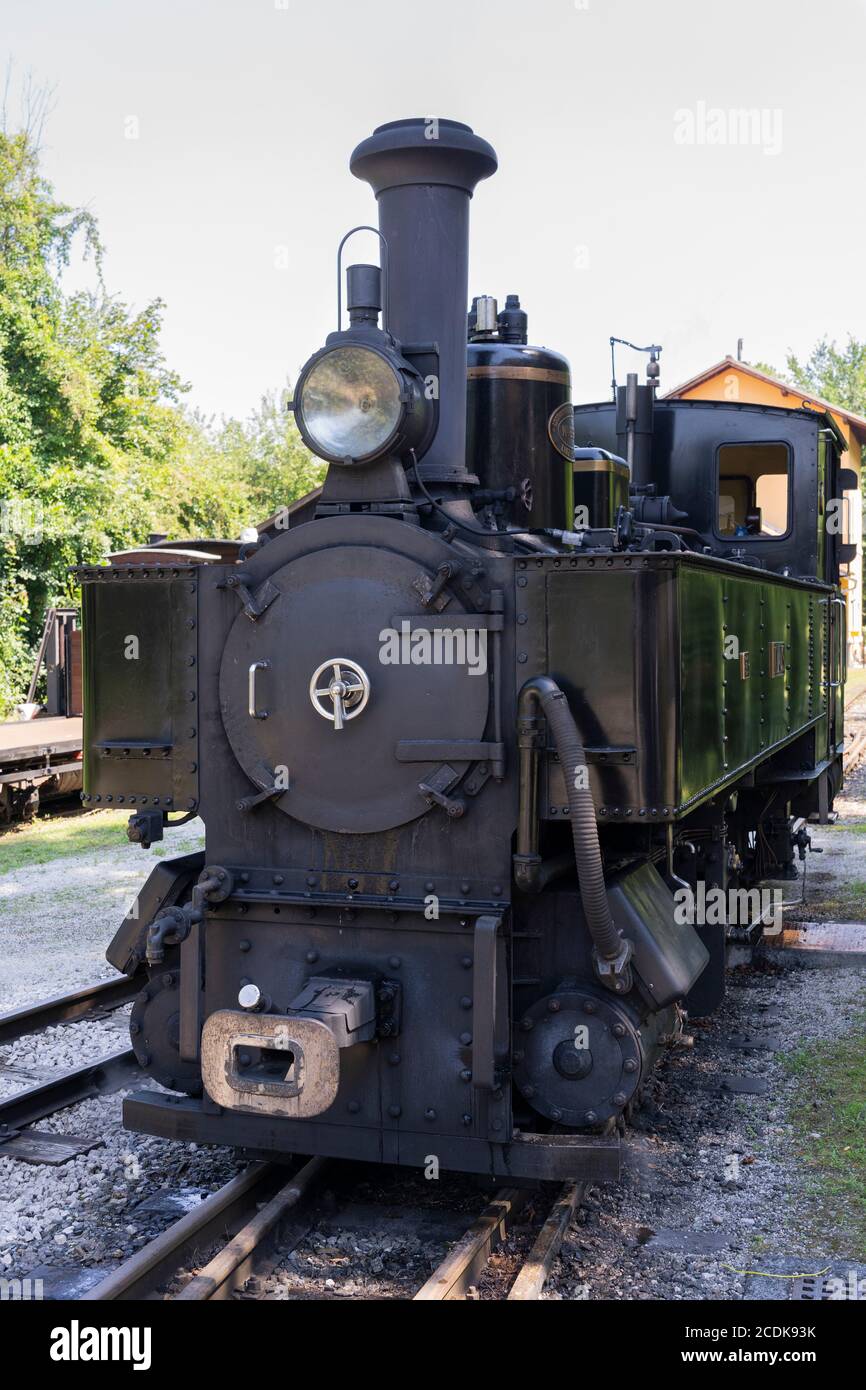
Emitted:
<point x="535" y="1271"/>
<point x="232" y="1266"/>
<point x="465" y="1261"/>
<point x="97" y="1078"/>
<point x="64" y="1008"/>
<point x="247" y="1219"/>
<point x="141" y="1275"/>
<point x="849" y="704"/>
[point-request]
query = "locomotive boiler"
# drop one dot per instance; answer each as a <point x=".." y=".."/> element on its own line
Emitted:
<point x="461" y="725"/>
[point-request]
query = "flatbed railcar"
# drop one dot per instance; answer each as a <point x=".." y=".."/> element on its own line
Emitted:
<point x="40" y="757"/>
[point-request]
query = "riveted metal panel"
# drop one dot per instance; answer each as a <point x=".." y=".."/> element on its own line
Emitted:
<point x="421" y="1078"/>
<point x="736" y="631"/>
<point x="611" y="631"/>
<point x="666" y="661"/>
<point x="703" y="669"/>
<point x="593" y="655"/>
<point x="140" y="688"/>
<point x="745" y="708"/>
<point x="800" y="656"/>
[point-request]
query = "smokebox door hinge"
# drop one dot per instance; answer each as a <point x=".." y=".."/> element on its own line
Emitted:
<point x="434" y="792"/>
<point x="270" y="788"/>
<point x="255" y="603"/>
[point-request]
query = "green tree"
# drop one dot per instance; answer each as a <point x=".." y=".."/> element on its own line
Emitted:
<point x="96" y="447"/>
<point x="836" y="375"/>
<point x="268" y="452"/>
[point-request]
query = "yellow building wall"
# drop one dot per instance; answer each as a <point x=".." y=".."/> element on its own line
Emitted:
<point x="735" y="385"/>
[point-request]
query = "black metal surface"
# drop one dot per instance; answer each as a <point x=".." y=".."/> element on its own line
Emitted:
<point x="581" y="1057"/>
<point x="685" y="430"/>
<point x="599" y="488"/>
<point x="650" y="671"/>
<point x="514" y="393"/>
<point x="141" y="735"/>
<point x="332" y="605"/>
<point x="167" y="884"/>
<point x="154" y="1027"/>
<point x="544" y="1157"/>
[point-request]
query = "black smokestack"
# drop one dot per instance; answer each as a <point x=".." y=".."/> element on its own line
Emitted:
<point x="423" y="173"/>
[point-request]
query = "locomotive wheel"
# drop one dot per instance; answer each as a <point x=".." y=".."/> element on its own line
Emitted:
<point x="154" y="1028"/>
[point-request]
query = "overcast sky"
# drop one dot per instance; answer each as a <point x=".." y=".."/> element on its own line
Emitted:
<point x="627" y="201"/>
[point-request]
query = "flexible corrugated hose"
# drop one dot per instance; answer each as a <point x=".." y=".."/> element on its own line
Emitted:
<point x="581" y="813"/>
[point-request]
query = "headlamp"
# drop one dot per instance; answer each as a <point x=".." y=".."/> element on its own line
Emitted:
<point x="359" y="399"/>
<point x="351" y="402"/>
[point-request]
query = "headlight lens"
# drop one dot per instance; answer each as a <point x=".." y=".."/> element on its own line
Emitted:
<point x="350" y="402"/>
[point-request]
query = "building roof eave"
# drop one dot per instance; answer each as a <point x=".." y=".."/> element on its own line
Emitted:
<point x="857" y="422"/>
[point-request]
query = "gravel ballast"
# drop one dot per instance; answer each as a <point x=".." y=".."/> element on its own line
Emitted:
<point x="56" y="919"/>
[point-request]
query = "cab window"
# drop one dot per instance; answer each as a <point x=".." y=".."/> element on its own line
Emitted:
<point x="753" y="491"/>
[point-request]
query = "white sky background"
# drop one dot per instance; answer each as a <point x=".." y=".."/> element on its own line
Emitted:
<point x="248" y="113"/>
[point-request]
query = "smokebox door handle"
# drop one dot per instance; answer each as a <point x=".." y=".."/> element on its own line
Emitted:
<point x="256" y="713"/>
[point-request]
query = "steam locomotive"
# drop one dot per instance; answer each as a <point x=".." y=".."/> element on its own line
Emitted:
<point x="463" y="725"/>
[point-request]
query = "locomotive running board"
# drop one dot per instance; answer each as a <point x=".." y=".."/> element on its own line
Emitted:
<point x="526" y="1157"/>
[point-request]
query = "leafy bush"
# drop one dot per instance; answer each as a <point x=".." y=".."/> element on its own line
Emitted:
<point x="96" y="447"/>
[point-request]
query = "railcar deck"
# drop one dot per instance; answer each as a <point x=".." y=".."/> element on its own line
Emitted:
<point x="25" y="739"/>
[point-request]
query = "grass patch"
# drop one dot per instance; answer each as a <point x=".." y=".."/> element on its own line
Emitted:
<point x="845" y="902"/>
<point x="831" y="1104"/>
<point x="853" y="896"/>
<point x="54" y="837"/>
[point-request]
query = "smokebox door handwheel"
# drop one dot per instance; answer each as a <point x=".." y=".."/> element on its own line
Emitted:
<point x="347" y="689"/>
<point x="344" y="682"/>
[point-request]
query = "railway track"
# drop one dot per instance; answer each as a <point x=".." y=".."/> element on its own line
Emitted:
<point x="97" y="1077"/>
<point x="257" y="1217"/>
<point x="465" y="1263"/>
<point x="91" y="1001"/>
<point x="855" y="752"/>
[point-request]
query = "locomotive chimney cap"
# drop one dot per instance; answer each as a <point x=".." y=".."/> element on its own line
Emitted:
<point x="423" y="149"/>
